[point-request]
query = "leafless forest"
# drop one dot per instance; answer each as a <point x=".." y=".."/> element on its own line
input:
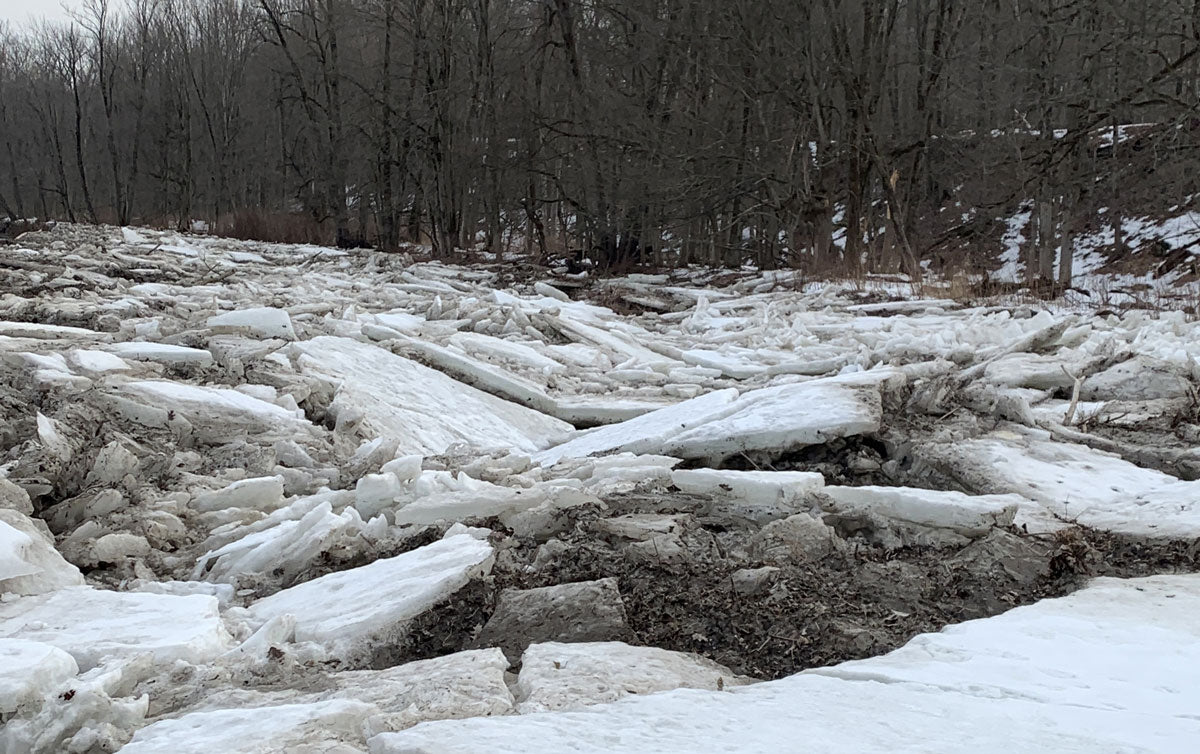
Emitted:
<point x="776" y="132"/>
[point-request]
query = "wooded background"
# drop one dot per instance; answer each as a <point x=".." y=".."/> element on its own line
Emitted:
<point x="778" y="132"/>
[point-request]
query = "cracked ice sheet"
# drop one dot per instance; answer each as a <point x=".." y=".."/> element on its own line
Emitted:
<point x="1073" y="482"/>
<point x="421" y="407"/>
<point x="1099" y="671"/>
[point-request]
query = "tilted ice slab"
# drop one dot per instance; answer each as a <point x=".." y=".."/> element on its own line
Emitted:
<point x="93" y="624"/>
<point x="925" y="517"/>
<point x="1072" y="483"/>
<point x="214" y="409"/>
<point x="644" y="434"/>
<point x="1097" y="671"/>
<point x="780" y="419"/>
<point x="421" y="407"/>
<point x="722" y="423"/>
<point x="344" y="609"/>
<point x="282" y="729"/>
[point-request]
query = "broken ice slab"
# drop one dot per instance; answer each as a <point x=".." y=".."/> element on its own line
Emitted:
<point x="29" y="670"/>
<point x="346" y="609"/>
<point x="908" y="517"/>
<point x="214" y="413"/>
<point x="331" y="727"/>
<point x="595" y="410"/>
<point x="163" y="353"/>
<point x="421" y="407"/>
<point x="285" y="548"/>
<point x="557" y="676"/>
<point x="263" y="322"/>
<point x="94" y="624"/>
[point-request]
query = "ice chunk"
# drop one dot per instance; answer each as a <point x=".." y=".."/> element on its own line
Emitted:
<point x="112" y="463"/>
<point x="52" y="332"/>
<point x="479" y="500"/>
<point x="460" y="685"/>
<point x="29" y="562"/>
<point x="421" y="407"/>
<point x="263" y="321"/>
<point x="97" y="362"/>
<point x="283" y="729"/>
<point x="1139" y="379"/>
<point x="578" y="611"/>
<point x="29" y="670"/>
<point x="343" y="609"/>
<point x="259" y="493"/>
<point x="223" y="592"/>
<point x="93" y="711"/>
<point x="556" y="676"/>
<point x="93" y="624"/>
<point x="757" y="487"/>
<point x="115" y="547"/>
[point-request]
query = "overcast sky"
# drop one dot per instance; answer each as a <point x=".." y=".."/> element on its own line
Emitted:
<point x="20" y="11"/>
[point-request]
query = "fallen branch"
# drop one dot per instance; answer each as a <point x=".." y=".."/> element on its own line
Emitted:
<point x="1069" y="419"/>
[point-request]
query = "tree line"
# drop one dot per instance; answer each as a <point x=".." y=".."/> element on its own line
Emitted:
<point x="777" y="132"/>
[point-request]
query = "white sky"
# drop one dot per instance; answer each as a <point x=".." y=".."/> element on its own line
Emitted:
<point x="21" y="11"/>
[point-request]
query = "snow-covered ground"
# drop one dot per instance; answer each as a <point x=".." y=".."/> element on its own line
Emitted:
<point x="264" y="498"/>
